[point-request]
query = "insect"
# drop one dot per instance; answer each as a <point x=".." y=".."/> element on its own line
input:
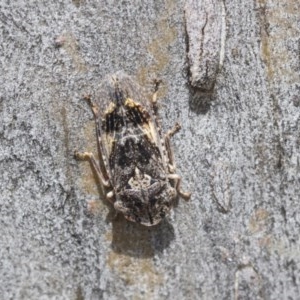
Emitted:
<point x="136" y="164"/>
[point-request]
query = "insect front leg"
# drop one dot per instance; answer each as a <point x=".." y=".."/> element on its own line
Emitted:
<point x="155" y="107"/>
<point x="157" y="83"/>
<point x="167" y="137"/>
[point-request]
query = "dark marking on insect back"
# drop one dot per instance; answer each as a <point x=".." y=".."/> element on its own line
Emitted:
<point x="132" y="153"/>
<point x="133" y="114"/>
<point x="137" y="116"/>
<point x="113" y="122"/>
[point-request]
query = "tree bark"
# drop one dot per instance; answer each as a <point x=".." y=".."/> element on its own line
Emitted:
<point x="237" y="152"/>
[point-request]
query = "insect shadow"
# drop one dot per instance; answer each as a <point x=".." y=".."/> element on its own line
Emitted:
<point x="133" y="239"/>
<point x="136" y="240"/>
<point x="199" y="100"/>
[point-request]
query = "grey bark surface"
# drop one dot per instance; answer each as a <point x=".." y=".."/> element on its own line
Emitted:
<point x="205" y="32"/>
<point x="237" y="238"/>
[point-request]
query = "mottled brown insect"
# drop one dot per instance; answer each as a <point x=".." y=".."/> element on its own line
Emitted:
<point x="137" y="168"/>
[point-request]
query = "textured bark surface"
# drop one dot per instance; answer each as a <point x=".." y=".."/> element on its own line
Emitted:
<point x="238" y="237"/>
<point x="205" y="32"/>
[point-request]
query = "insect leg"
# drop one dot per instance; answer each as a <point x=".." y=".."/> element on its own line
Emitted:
<point x="90" y="157"/>
<point x="157" y="83"/>
<point x="95" y="110"/>
<point x="168" y="136"/>
<point x="166" y="139"/>
<point x="92" y="105"/>
<point x="167" y="144"/>
<point x="172" y="168"/>
<point x="177" y="179"/>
